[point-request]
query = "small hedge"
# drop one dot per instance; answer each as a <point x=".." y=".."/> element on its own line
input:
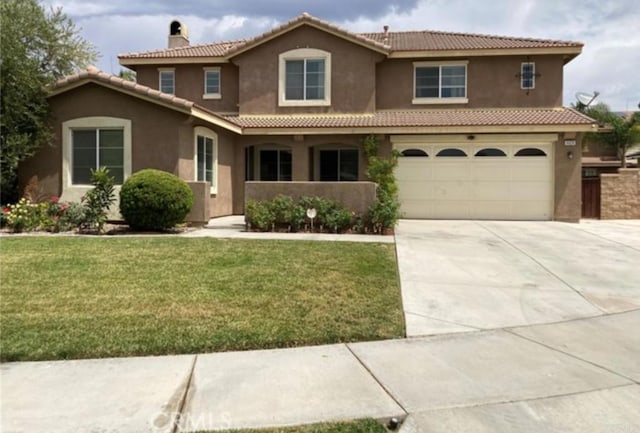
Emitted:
<point x="155" y="200"/>
<point x="283" y="214"/>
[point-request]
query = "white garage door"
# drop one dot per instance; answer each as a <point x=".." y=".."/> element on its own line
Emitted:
<point x="512" y="181"/>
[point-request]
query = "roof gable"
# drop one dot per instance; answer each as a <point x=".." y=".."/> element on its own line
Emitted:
<point x="302" y="20"/>
<point x="94" y="75"/>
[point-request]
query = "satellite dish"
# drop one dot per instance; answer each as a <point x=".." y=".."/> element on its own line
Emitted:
<point x="586" y="98"/>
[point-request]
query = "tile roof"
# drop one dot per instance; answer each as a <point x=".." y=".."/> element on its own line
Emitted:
<point x="440" y="41"/>
<point x="420" y="118"/>
<point x="95" y="74"/>
<point x="393" y="41"/>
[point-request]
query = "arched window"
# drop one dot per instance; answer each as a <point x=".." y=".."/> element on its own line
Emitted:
<point x="451" y="152"/>
<point x="414" y="152"/>
<point x="490" y="151"/>
<point x="530" y="151"/>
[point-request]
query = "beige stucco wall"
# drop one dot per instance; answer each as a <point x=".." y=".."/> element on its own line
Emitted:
<point x="491" y="82"/>
<point x="353" y="82"/>
<point x="567" y="179"/>
<point x="161" y="138"/>
<point x="620" y="194"/>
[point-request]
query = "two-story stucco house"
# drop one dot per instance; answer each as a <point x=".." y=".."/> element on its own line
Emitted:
<point x="478" y="120"/>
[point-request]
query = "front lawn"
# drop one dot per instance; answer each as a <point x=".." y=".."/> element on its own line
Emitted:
<point x="100" y="297"/>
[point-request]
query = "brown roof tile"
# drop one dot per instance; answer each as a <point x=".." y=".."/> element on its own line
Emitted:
<point x="394" y="41"/>
<point x="420" y="118"/>
<point x="95" y="74"/>
<point x="439" y="41"/>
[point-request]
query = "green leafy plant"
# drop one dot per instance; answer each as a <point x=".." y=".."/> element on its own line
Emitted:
<point x="155" y="200"/>
<point x="98" y="200"/>
<point x="259" y="215"/>
<point x="385" y="211"/>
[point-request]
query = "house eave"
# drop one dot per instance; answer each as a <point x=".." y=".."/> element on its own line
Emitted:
<point x="567" y="51"/>
<point x="172" y="60"/>
<point x="491" y="129"/>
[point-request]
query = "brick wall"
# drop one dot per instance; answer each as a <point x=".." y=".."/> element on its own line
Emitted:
<point x="620" y="194"/>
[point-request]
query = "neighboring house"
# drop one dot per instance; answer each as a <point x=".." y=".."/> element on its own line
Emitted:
<point x="478" y="120"/>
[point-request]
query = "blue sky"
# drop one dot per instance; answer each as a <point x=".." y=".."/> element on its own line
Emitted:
<point x="610" y="62"/>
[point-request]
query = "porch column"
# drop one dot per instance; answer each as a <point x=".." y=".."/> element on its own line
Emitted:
<point x="300" y="162"/>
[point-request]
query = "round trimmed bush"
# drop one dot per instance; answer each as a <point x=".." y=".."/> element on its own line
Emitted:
<point x="154" y="200"/>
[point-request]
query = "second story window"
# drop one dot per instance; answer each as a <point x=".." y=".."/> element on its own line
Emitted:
<point x="212" y="83"/>
<point x="440" y="83"/>
<point x="528" y="75"/>
<point x="167" y="81"/>
<point x="305" y="77"/>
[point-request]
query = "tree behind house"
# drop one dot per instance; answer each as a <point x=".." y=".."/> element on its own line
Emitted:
<point x="621" y="132"/>
<point x="38" y="48"/>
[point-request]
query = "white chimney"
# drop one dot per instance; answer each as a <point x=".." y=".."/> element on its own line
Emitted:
<point x="178" y="34"/>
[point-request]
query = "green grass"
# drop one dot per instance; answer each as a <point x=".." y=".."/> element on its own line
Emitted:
<point x="359" y="426"/>
<point x="64" y="298"/>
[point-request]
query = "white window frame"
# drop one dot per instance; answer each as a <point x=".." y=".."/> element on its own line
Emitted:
<point x="206" y="132"/>
<point x="533" y="76"/>
<point x="71" y="192"/>
<point x="173" y="79"/>
<point x="303" y="54"/>
<point x="441" y="100"/>
<point x="217" y="95"/>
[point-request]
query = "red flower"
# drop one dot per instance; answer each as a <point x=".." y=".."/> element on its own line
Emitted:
<point x="6" y="210"/>
<point x="54" y="199"/>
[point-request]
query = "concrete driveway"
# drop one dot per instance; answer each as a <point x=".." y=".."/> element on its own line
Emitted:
<point x="459" y="276"/>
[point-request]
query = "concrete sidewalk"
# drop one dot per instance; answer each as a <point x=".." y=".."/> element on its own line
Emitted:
<point x="234" y="227"/>
<point x="576" y="376"/>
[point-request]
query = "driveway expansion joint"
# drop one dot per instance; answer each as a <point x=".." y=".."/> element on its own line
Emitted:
<point x="555" y="349"/>
<point x="374" y="377"/>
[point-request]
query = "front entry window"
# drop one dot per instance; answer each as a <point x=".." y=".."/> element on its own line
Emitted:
<point x="339" y="165"/>
<point x="275" y="165"/>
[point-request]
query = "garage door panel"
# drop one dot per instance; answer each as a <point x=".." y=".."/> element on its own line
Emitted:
<point x="413" y="172"/>
<point x="491" y="171"/>
<point x="495" y="191"/>
<point x="491" y="209"/>
<point x="531" y="171"/>
<point x="482" y="187"/>
<point x="415" y="191"/>
<point x="531" y="210"/>
<point x="451" y="209"/>
<point x="416" y="209"/>
<point x="451" y="170"/>
<point x="454" y="190"/>
<point x="529" y="191"/>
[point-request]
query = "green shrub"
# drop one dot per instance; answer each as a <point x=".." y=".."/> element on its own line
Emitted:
<point x="155" y="200"/>
<point x="98" y="200"/>
<point x="259" y="215"/>
<point x="385" y="211"/>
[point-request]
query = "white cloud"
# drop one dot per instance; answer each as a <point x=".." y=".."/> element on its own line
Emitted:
<point x="609" y="63"/>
